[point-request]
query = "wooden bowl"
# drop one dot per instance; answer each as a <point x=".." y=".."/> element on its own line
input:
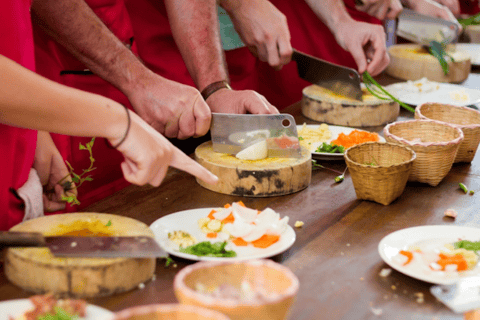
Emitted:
<point x="467" y="119"/>
<point x="278" y="283"/>
<point x="379" y="170"/>
<point x="435" y="144"/>
<point x="169" y="312"/>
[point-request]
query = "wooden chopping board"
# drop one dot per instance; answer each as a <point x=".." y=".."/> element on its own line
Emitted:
<point x="412" y="62"/>
<point x="473" y="33"/>
<point x="37" y="270"/>
<point x="323" y="105"/>
<point x="260" y="178"/>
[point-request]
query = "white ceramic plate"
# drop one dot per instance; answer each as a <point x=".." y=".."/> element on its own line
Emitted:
<point x="336" y="130"/>
<point x="427" y="237"/>
<point x="187" y="221"/>
<point x="15" y="308"/>
<point x="473" y="49"/>
<point x="442" y="95"/>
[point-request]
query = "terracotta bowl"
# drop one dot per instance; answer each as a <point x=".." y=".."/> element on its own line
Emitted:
<point x="277" y="283"/>
<point x="169" y="312"/>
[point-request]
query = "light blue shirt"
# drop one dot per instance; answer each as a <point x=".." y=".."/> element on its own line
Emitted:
<point x="230" y="38"/>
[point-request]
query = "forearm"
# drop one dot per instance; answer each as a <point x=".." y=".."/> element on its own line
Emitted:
<point x="76" y="27"/>
<point x="31" y="101"/>
<point x="195" y="27"/>
<point x="331" y="12"/>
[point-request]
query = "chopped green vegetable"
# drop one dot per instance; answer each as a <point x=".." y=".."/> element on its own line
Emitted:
<point x="470" y="21"/>
<point x="330" y="148"/>
<point x="59" y="314"/>
<point x="378" y="91"/>
<point x="208" y="249"/>
<point x="168" y="262"/>
<point x="339" y="179"/>
<point x="467" y="245"/>
<point x="109" y="223"/>
<point x="437" y="49"/>
<point x="463" y="187"/>
<point x="472" y="192"/>
<point x="300" y="138"/>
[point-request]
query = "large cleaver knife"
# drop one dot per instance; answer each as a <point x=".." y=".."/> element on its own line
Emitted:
<point x="86" y="247"/>
<point x="341" y="80"/>
<point x="232" y="133"/>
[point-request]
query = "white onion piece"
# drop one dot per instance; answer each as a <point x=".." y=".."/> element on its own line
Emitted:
<point x="223" y="213"/>
<point x="256" y="151"/>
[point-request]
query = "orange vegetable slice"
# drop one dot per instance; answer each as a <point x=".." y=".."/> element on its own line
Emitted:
<point x="240" y="242"/>
<point x="210" y="215"/>
<point x="211" y="235"/>
<point x="457" y="259"/>
<point x="229" y="219"/>
<point x="407" y="254"/>
<point x="265" y="241"/>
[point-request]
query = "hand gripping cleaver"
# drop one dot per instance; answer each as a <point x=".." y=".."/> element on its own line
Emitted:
<point x="232" y="133"/>
<point x="86" y="247"/>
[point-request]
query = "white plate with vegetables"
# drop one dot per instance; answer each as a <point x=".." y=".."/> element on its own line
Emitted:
<point x="313" y="136"/>
<point x="185" y="224"/>
<point x="16" y="308"/>
<point x="429" y="253"/>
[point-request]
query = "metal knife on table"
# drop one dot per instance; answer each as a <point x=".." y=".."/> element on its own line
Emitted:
<point x="423" y="29"/>
<point x="232" y="133"/>
<point x="341" y="80"/>
<point x="86" y="247"/>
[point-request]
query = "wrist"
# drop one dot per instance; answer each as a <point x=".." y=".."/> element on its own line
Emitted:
<point x="214" y="87"/>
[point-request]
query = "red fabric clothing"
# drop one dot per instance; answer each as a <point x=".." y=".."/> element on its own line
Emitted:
<point x="470" y="7"/>
<point x="17" y="145"/>
<point x="51" y="60"/>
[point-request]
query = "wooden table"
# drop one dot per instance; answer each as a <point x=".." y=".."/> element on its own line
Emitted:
<point x="335" y="255"/>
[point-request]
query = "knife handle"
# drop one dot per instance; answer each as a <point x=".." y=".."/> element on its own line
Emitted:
<point x="21" y="239"/>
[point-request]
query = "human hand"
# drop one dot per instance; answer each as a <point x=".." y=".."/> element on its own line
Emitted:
<point x="239" y="101"/>
<point x="171" y="108"/>
<point x="452" y="5"/>
<point x="148" y="154"/>
<point x="433" y="9"/>
<point x="381" y="9"/>
<point x="263" y="29"/>
<point x="52" y="172"/>
<point x="366" y="43"/>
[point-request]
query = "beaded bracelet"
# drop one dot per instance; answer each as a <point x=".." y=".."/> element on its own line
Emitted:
<point x="126" y="132"/>
<point x="214" y="87"/>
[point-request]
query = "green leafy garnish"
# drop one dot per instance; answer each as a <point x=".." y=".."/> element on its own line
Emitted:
<point x="437" y="49"/>
<point x="300" y="138"/>
<point x="208" y="249"/>
<point x="378" y="91"/>
<point x="168" y="262"/>
<point x="470" y="21"/>
<point x="330" y="148"/>
<point x="78" y="179"/>
<point x="467" y="245"/>
<point x="109" y="223"/>
<point x="59" y="314"/>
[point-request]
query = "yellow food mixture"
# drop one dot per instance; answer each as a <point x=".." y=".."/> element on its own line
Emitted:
<point x="182" y="238"/>
<point x="309" y="136"/>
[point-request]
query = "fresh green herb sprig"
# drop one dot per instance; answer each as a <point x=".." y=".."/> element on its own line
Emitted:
<point x="378" y="91"/>
<point x="208" y="249"/>
<point x="470" y="21"/>
<point x="467" y="245"/>
<point x="437" y="49"/>
<point x="78" y="179"/>
<point x="59" y="314"/>
<point x="330" y="148"/>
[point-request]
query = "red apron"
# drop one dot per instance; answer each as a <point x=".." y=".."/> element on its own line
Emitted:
<point x="17" y="145"/>
<point x="51" y="60"/>
<point x="470" y="7"/>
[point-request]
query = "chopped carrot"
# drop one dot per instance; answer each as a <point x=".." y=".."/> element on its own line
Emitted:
<point x="355" y="137"/>
<point x="210" y="215"/>
<point x="240" y="203"/>
<point x="240" y="242"/>
<point x="227" y="206"/>
<point x="265" y="241"/>
<point x="211" y="235"/>
<point x="407" y="254"/>
<point x="457" y="259"/>
<point x="229" y="219"/>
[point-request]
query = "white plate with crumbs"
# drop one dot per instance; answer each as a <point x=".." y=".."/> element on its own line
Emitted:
<point x="428" y="239"/>
<point x="188" y="221"/>
<point x="16" y="308"/>
<point x="440" y="93"/>
<point x="312" y="143"/>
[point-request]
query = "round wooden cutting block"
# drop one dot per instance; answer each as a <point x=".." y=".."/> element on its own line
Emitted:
<point x="260" y="178"/>
<point x="413" y="62"/>
<point x="37" y="270"/>
<point x="323" y="105"/>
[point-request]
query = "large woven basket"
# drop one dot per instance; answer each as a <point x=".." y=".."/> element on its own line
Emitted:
<point x="379" y="170"/>
<point x="435" y="143"/>
<point x="467" y="119"/>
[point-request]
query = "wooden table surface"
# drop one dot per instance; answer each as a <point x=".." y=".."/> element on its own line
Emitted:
<point x="335" y="255"/>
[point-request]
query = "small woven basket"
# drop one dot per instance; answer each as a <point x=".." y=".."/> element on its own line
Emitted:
<point x="379" y="170"/>
<point x="435" y="143"/>
<point x="467" y="119"/>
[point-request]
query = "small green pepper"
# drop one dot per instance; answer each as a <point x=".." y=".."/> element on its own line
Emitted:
<point x="463" y="187"/>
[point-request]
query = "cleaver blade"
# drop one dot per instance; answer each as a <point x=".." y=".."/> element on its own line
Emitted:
<point x="232" y="133"/>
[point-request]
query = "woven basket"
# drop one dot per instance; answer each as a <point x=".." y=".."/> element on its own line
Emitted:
<point x="435" y="143"/>
<point x="385" y="180"/>
<point x="467" y="119"/>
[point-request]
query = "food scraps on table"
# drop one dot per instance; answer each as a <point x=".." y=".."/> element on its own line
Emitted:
<point x="46" y="307"/>
<point x="450" y="213"/>
<point x="355" y="137"/>
<point x="308" y="135"/>
<point x="182" y="238"/>
<point x="299" y="224"/>
<point x="208" y="249"/>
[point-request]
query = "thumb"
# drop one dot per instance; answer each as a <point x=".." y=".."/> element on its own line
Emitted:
<point x="183" y="162"/>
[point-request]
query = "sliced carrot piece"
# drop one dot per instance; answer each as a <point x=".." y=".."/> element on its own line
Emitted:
<point x="229" y="219"/>
<point x="210" y="215"/>
<point x="227" y="206"/>
<point x="240" y="242"/>
<point x="457" y="259"/>
<point x="240" y="203"/>
<point x="265" y="241"/>
<point x="211" y="235"/>
<point x="407" y="254"/>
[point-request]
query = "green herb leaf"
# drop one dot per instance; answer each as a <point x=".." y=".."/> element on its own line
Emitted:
<point x="168" y="262"/>
<point x="207" y="249"/>
<point x="470" y="21"/>
<point x="467" y="245"/>
<point x="88" y="178"/>
<point x="300" y="138"/>
<point x="109" y="223"/>
<point x="81" y="147"/>
<point x="437" y="49"/>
